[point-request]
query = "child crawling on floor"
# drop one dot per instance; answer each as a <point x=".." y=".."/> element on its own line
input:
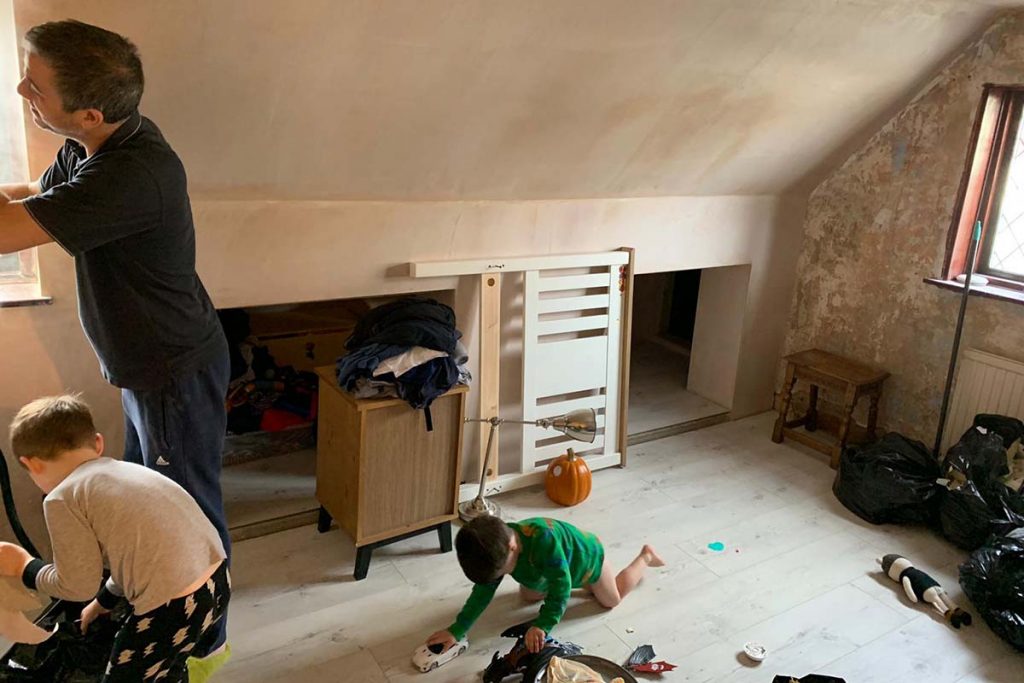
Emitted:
<point x="548" y="558"/>
<point x="164" y="555"/>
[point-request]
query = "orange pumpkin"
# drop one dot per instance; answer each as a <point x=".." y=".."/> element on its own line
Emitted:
<point x="568" y="479"/>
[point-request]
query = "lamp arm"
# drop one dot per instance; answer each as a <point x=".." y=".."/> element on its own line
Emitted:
<point x="487" y="458"/>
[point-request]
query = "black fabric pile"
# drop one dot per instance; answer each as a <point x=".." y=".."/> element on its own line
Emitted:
<point x="407" y="326"/>
<point x="993" y="579"/>
<point x="978" y="503"/>
<point x="974" y="497"/>
<point x="262" y="395"/>
<point x="890" y="481"/>
<point x="68" y="656"/>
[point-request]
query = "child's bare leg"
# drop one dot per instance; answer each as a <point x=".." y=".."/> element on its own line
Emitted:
<point x="611" y="589"/>
<point x="530" y="595"/>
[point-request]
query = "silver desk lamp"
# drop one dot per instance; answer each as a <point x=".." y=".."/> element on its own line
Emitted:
<point x="580" y="425"/>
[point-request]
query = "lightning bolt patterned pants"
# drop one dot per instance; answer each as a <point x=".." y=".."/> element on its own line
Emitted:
<point x="156" y="645"/>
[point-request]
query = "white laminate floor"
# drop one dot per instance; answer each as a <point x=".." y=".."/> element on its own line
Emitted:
<point x="658" y="397"/>
<point x="269" y="488"/>
<point x="797" y="574"/>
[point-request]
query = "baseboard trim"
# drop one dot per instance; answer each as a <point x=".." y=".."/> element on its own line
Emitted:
<point x="273" y="526"/>
<point x="676" y="429"/>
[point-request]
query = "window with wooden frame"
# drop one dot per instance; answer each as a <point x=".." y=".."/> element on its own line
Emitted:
<point x="992" y="192"/>
<point x="19" y="278"/>
<point x="19" y="272"/>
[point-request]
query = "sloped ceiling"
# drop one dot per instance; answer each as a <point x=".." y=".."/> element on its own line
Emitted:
<point x="495" y="99"/>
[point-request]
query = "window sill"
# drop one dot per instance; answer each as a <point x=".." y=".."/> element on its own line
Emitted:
<point x="13" y="295"/>
<point x="987" y="291"/>
<point x="17" y="302"/>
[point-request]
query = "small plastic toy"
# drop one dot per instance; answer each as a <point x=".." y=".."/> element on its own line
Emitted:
<point x="641" y="661"/>
<point x="519" y="660"/>
<point x="920" y="587"/>
<point x="429" y="657"/>
<point x="755" y="651"/>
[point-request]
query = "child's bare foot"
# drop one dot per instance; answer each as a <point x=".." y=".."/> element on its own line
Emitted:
<point x="652" y="558"/>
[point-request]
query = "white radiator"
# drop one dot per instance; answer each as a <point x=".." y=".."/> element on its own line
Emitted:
<point x="984" y="384"/>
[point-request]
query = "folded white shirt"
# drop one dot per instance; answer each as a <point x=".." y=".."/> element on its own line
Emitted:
<point x="404" y="362"/>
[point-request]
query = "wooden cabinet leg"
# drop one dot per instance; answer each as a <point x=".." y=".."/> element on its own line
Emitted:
<point x="444" y="535"/>
<point x="812" y="410"/>
<point x="363" y="556"/>
<point x="324" y="520"/>
<point x="787" y="395"/>
<point x="849" y="403"/>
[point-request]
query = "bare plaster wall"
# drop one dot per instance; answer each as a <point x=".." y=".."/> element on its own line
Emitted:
<point x="261" y="253"/>
<point x="878" y="225"/>
<point x="535" y="99"/>
<point x="282" y="161"/>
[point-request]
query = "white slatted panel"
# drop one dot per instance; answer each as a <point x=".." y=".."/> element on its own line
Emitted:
<point x="614" y="360"/>
<point x="566" y="367"/>
<point x="590" y="322"/>
<point x="562" y="283"/>
<point x="563" y="407"/>
<point x="570" y="366"/>
<point x="573" y="303"/>
<point x="542" y="453"/>
<point x="985" y="383"/>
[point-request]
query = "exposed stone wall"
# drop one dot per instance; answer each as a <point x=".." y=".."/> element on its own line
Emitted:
<point x="878" y="225"/>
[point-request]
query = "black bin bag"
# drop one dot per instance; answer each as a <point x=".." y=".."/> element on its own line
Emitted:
<point x="978" y="504"/>
<point x="68" y="656"/>
<point x="973" y="512"/>
<point x="993" y="580"/>
<point x="979" y="455"/>
<point x="891" y="481"/>
<point x="1009" y="429"/>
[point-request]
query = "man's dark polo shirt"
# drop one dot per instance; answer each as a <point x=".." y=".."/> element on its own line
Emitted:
<point x="124" y="215"/>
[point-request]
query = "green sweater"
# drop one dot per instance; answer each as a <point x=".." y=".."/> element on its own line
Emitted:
<point x="554" y="558"/>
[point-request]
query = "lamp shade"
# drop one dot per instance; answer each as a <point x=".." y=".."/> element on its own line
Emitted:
<point x="579" y="424"/>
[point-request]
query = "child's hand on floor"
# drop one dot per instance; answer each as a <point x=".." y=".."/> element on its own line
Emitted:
<point x="89" y="614"/>
<point x="535" y="638"/>
<point x="443" y="638"/>
<point x="13" y="559"/>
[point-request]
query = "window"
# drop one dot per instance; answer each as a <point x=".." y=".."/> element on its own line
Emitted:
<point x="19" y="281"/>
<point x="992" y="191"/>
<point x="18" y="269"/>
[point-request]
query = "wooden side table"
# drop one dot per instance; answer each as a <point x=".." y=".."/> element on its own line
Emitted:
<point x="380" y="473"/>
<point x="823" y="369"/>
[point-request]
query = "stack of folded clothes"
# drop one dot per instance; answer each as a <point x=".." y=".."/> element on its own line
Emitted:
<point x="408" y="349"/>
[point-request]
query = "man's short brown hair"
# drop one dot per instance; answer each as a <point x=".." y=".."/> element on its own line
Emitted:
<point x="95" y="68"/>
<point x="49" y="426"/>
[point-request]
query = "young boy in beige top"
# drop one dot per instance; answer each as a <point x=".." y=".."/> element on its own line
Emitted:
<point x="164" y="556"/>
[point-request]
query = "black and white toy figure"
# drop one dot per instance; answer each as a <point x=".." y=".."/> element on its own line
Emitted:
<point x="921" y="587"/>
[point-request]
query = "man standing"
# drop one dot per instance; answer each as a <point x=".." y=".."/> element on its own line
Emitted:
<point x="116" y="199"/>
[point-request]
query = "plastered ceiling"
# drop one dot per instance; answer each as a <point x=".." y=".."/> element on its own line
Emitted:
<point x="494" y="99"/>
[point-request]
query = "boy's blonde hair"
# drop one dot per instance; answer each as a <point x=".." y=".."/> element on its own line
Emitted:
<point x="49" y="426"/>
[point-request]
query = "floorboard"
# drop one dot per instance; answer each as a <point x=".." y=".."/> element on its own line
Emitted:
<point x="797" y="573"/>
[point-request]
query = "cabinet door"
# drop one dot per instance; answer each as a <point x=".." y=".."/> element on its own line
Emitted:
<point x="409" y="473"/>
<point x="337" y="457"/>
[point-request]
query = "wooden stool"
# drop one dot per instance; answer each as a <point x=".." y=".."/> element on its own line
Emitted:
<point x="824" y="369"/>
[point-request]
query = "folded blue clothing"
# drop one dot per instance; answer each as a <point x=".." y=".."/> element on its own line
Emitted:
<point x="424" y="383"/>
<point x="410" y="321"/>
<point x="363" y="361"/>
